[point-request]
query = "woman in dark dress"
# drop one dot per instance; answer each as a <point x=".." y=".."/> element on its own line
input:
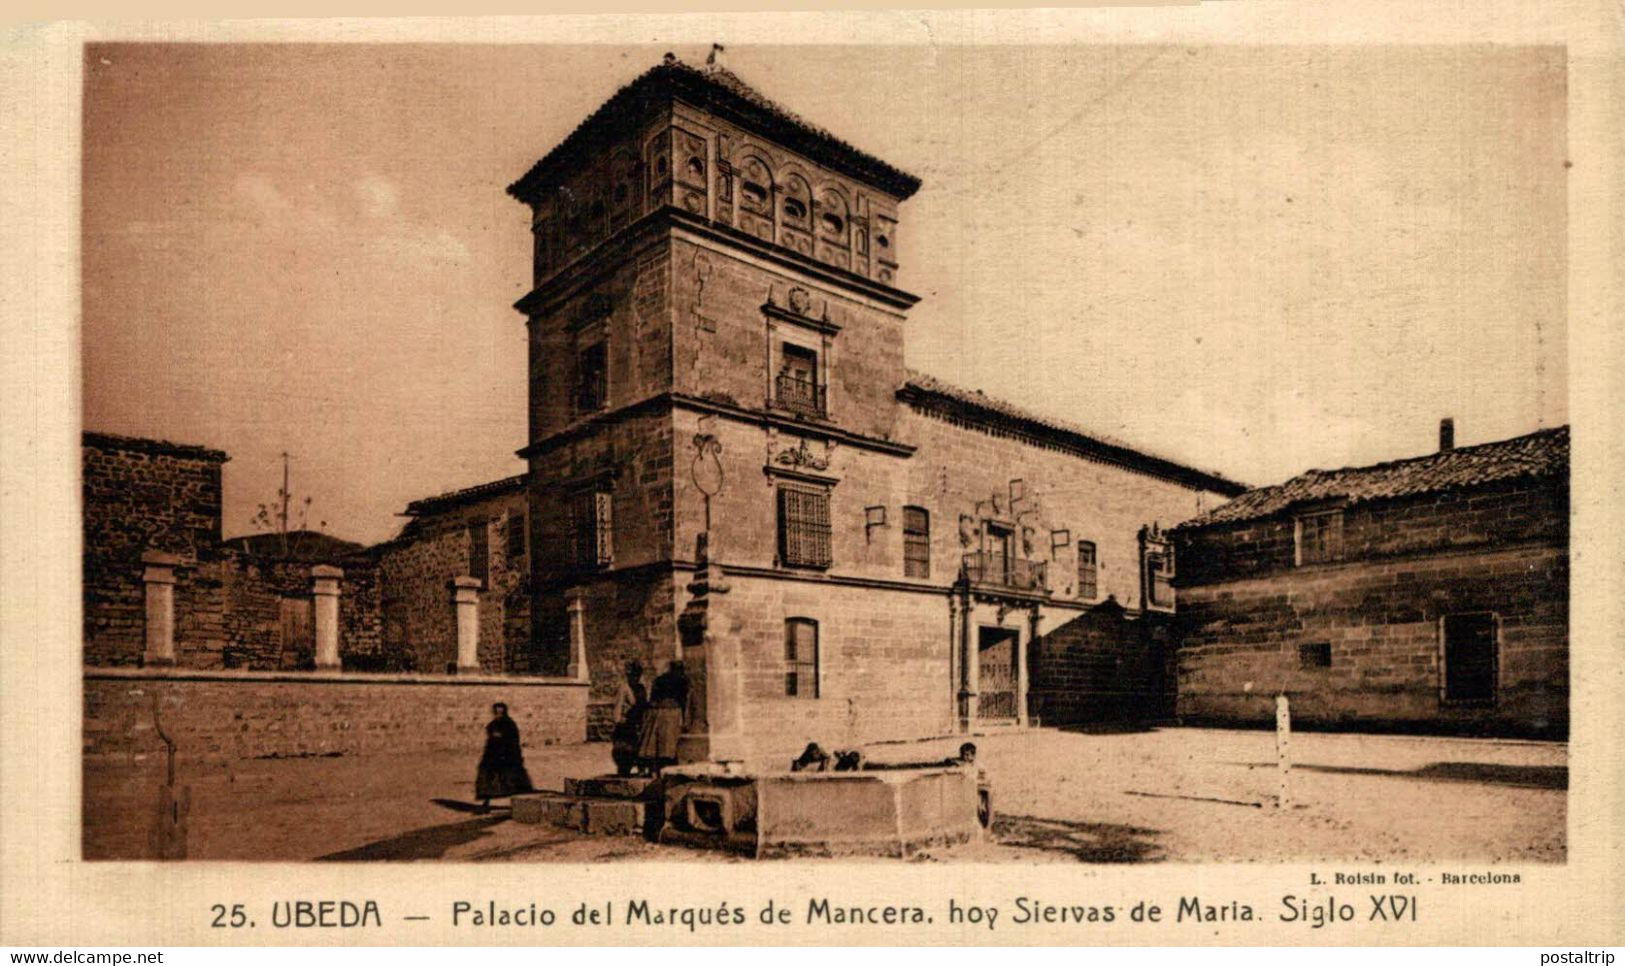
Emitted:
<point x="630" y="706"/>
<point x="502" y="767"/>
<point x="663" y="722"/>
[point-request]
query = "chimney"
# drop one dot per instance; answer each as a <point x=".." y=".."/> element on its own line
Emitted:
<point x="1447" y="434"/>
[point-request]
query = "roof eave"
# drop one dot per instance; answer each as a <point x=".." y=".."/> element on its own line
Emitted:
<point x="1088" y="446"/>
<point x="1344" y="501"/>
<point x="658" y="87"/>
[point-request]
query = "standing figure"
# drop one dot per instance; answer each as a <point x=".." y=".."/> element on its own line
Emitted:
<point x="663" y="722"/>
<point x="630" y="706"/>
<point x="502" y="768"/>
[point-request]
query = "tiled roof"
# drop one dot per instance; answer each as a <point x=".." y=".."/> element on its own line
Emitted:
<point x="471" y="494"/>
<point x="716" y="89"/>
<point x="307" y="546"/>
<point x="979" y="409"/>
<point x="1539" y="454"/>
<point x="138" y="444"/>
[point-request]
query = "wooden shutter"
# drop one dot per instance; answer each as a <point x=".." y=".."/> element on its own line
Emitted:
<point x="801" y="658"/>
<point x="916" y="542"/>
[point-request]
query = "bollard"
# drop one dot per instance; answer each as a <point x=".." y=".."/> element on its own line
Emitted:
<point x="1283" y="750"/>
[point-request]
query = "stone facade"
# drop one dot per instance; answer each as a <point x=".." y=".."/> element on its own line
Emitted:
<point x="1105" y="666"/>
<point x="482" y="533"/>
<point x="723" y="320"/>
<point x="1366" y="639"/>
<point x="143" y="495"/>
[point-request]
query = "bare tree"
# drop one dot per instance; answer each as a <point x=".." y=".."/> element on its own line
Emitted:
<point x="277" y="516"/>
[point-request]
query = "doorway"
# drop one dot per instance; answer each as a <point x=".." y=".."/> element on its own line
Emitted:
<point x="996" y="666"/>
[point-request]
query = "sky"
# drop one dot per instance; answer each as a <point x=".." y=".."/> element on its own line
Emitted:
<point x="1255" y="260"/>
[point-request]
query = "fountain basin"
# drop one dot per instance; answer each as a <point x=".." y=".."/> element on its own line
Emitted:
<point x="893" y="812"/>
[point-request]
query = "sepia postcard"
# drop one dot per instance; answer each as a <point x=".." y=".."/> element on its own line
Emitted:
<point x="950" y="477"/>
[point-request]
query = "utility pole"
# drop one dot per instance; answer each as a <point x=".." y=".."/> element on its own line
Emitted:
<point x="285" y="496"/>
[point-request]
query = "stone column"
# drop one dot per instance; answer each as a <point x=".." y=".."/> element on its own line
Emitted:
<point x="1022" y="648"/>
<point x="577" y="607"/>
<point x="955" y="660"/>
<point x="158" y="576"/>
<point x="465" y="598"/>
<point x="970" y="668"/>
<point x="325" y="593"/>
<point x="713" y="726"/>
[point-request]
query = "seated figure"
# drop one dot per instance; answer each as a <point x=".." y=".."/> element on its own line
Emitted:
<point x="813" y="758"/>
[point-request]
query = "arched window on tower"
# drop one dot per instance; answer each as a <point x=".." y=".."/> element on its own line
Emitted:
<point x="797" y="204"/>
<point x="833" y="216"/>
<point x="755" y="189"/>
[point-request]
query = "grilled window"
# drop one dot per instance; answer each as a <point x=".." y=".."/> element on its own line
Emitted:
<point x="801" y="658"/>
<point x="916" y="542"/>
<point x="516" y="536"/>
<point x="1320" y="537"/>
<point x="804" y="526"/>
<point x="592" y="377"/>
<point x="592" y="531"/>
<point x="1088" y="571"/>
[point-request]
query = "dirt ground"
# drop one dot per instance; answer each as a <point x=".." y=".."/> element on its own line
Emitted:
<point x="1161" y="795"/>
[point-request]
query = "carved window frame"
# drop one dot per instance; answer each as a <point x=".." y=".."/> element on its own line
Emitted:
<point x="591" y="520"/>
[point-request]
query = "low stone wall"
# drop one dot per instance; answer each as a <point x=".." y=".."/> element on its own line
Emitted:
<point x="235" y="715"/>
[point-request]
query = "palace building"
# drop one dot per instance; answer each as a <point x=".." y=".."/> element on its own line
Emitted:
<point x="716" y="335"/>
<point x="715" y="340"/>
<point x="718" y="398"/>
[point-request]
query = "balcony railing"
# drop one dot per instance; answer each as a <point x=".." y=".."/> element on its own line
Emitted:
<point x="798" y="395"/>
<point x="999" y="570"/>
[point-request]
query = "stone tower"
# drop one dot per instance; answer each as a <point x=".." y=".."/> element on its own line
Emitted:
<point x="705" y="262"/>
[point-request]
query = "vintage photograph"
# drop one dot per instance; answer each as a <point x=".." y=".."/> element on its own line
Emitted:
<point x="1073" y="453"/>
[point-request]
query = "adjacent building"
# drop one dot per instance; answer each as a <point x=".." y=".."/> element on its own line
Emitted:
<point x="224" y="642"/>
<point x="1427" y="593"/>
<point x="481" y="535"/>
